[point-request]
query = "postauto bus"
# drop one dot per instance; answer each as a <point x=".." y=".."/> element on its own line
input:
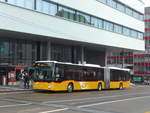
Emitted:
<point x="59" y="76"/>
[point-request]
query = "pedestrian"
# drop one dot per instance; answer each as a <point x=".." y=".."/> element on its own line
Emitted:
<point x="26" y="80"/>
<point x="21" y="76"/>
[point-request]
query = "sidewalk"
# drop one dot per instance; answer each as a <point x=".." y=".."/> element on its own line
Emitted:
<point x="14" y="88"/>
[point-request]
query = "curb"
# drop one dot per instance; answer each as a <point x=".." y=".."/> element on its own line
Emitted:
<point x="7" y="91"/>
<point x="13" y="89"/>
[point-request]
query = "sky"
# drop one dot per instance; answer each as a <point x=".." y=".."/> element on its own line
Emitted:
<point x="147" y="2"/>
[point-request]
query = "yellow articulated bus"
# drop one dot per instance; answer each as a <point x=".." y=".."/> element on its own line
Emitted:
<point x="59" y="76"/>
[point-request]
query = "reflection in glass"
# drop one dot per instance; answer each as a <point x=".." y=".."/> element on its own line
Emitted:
<point x="80" y="17"/>
<point x="117" y="29"/>
<point x="29" y="4"/>
<point x="66" y="13"/>
<point x="108" y="26"/>
<point x="20" y="3"/>
<point x="126" y="31"/>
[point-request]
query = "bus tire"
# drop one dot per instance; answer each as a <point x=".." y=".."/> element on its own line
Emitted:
<point x="99" y="88"/>
<point x="121" y="86"/>
<point x="70" y="88"/>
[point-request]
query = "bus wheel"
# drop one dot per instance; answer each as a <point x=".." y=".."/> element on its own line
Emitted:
<point x="70" y="88"/>
<point x="121" y="86"/>
<point x="99" y="88"/>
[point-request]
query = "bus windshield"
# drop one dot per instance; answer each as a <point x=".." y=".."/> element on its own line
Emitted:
<point x="43" y="72"/>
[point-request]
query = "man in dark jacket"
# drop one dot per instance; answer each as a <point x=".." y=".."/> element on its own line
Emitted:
<point x="26" y="80"/>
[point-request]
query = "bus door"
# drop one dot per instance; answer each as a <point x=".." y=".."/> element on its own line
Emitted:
<point x="107" y="78"/>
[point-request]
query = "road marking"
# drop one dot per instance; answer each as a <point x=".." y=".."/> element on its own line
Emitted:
<point x="14" y="105"/>
<point x="54" y="110"/>
<point x="33" y="110"/>
<point x="91" y="98"/>
<point x="109" y="102"/>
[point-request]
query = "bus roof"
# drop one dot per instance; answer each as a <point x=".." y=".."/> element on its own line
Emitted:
<point x="87" y="65"/>
<point x="117" y="68"/>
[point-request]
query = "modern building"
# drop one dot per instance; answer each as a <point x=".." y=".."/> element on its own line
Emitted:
<point x="142" y="60"/>
<point x="77" y="31"/>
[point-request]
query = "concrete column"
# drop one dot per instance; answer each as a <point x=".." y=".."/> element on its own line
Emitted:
<point x="106" y="54"/>
<point x="123" y="59"/>
<point x="82" y="54"/>
<point x="48" y="50"/>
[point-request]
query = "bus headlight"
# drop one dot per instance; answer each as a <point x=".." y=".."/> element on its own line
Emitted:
<point x="50" y="86"/>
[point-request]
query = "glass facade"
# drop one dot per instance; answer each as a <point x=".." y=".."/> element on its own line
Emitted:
<point x="118" y="29"/>
<point x="21" y="52"/>
<point x="123" y="8"/>
<point x="66" y="13"/>
<point x="120" y="7"/>
<point x="23" y="3"/>
<point x="83" y="18"/>
<point x="120" y="58"/>
<point x="126" y="31"/>
<point x="61" y="53"/>
<point x="108" y="26"/>
<point x="142" y="60"/>
<point x="55" y="9"/>
<point x="17" y="52"/>
<point x="112" y="3"/>
<point x="97" y="22"/>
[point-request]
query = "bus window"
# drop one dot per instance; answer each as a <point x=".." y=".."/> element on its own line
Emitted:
<point x="114" y="75"/>
<point x="43" y="73"/>
<point x="59" y="72"/>
<point x="69" y="72"/>
<point x="78" y="72"/>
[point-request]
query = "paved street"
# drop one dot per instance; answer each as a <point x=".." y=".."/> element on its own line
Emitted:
<point x="132" y="100"/>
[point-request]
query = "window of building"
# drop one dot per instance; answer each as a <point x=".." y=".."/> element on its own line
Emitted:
<point x="20" y="3"/>
<point x="96" y="22"/>
<point x="126" y="31"/>
<point x="118" y="29"/>
<point x="11" y="1"/>
<point x="133" y="33"/>
<point x="100" y="23"/>
<point x="81" y="17"/>
<point x="29" y="4"/>
<point x="53" y="9"/>
<point x="45" y="7"/>
<point x="23" y="3"/>
<point x="108" y="26"/>
<point x="135" y="14"/>
<point x="129" y="11"/>
<point x="66" y="13"/>
<point x="120" y="7"/>
<point x="49" y="8"/>
<point x="112" y="3"/>
<point x="141" y="17"/>
<point x="123" y="8"/>
<point x="39" y="5"/>
<point x="140" y="35"/>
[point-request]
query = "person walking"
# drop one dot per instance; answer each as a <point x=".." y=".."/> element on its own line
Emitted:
<point x="26" y="80"/>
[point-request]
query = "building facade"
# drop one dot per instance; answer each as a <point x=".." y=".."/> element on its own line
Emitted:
<point x="68" y="31"/>
<point x="142" y="60"/>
